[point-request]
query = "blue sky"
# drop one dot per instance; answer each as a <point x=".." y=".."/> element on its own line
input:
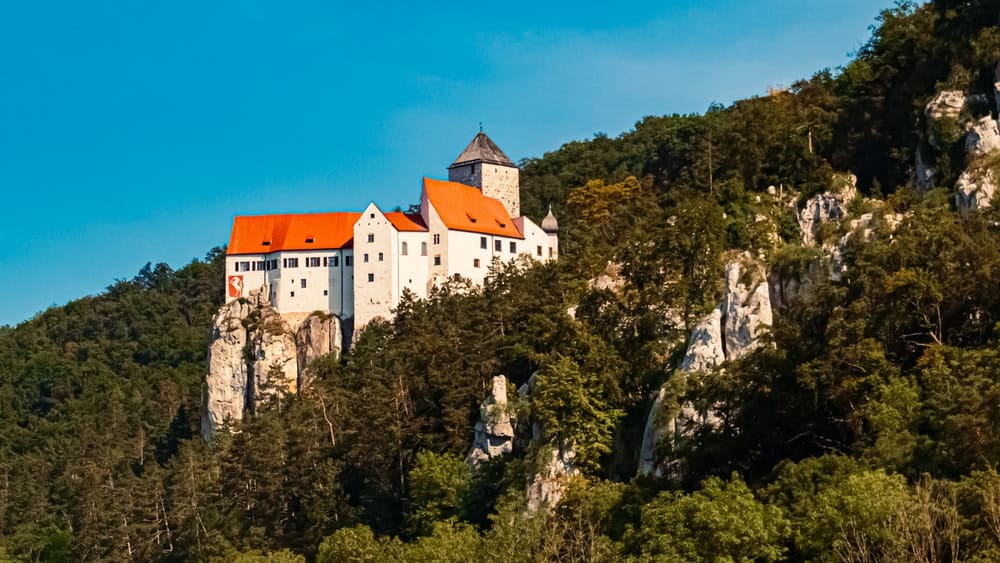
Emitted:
<point x="134" y="131"/>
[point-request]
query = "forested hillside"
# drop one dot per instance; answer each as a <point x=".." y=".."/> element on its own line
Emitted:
<point x="863" y="424"/>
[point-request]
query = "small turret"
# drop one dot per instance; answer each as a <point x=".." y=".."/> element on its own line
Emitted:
<point x="549" y="223"/>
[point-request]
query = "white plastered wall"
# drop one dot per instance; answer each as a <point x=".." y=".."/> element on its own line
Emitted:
<point x="376" y="298"/>
<point x="241" y="283"/>
<point x="412" y="270"/>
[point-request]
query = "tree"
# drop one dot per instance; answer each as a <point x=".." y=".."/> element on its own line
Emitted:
<point x="722" y="521"/>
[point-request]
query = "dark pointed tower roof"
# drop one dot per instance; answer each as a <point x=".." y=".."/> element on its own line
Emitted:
<point x="482" y="148"/>
<point x="549" y="223"/>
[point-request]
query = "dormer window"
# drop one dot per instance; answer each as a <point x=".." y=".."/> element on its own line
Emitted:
<point x="266" y="243"/>
<point x="310" y="240"/>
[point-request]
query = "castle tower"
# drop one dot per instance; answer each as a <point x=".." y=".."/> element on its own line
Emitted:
<point x="482" y="164"/>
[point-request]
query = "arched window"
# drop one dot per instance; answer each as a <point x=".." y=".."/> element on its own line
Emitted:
<point x="404" y="250"/>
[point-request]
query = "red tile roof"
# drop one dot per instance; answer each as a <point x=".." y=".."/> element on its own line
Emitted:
<point x="406" y="222"/>
<point x="465" y="208"/>
<point x="261" y="234"/>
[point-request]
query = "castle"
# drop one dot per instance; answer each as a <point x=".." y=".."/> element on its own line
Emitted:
<point x="357" y="265"/>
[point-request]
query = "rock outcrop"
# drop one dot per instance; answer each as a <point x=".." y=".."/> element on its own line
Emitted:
<point x="705" y="349"/>
<point x="495" y="430"/>
<point x="947" y="104"/>
<point x="978" y="184"/>
<point x="746" y="307"/>
<point x="555" y="465"/>
<point x="975" y="190"/>
<point x="318" y="335"/>
<point x="826" y="207"/>
<point x="274" y="367"/>
<point x="730" y="331"/>
<point x="255" y="354"/>
<point x="548" y="484"/>
<point x="983" y="137"/>
<point x="224" y="395"/>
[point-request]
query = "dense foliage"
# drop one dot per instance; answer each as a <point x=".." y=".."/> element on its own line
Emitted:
<point x="869" y="431"/>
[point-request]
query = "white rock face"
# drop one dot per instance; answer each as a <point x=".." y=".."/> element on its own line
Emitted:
<point x="275" y="358"/>
<point x="975" y="190"/>
<point x="495" y="430"/>
<point x="730" y="331"/>
<point x="548" y="485"/>
<point x="824" y="208"/>
<point x="746" y="307"/>
<point x="254" y="354"/>
<point x="978" y="184"/>
<point x="225" y="391"/>
<point x="983" y="137"/>
<point x="705" y="350"/>
<point x="317" y="336"/>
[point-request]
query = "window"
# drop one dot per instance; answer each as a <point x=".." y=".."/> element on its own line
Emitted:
<point x="244" y="267"/>
<point x="381" y="257"/>
<point x="550" y="252"/>
<point x="335" y="261"/>
<point x="312" y="262"/>
<point x="403" y="249"/>
<point x="475" y="262"/>
<point x="303" y="280"/>
<point x="310" y="240"/>
<point x="423" y="249"/>
<point x="539" y="250"/>
<point x="326" y="292"/>
<point x="324" y="262"/>
<point x="498" y="246"/>
<point x="437" y="239"/>
<point x="371" y="237"/>
<point x="260" y="265"/>
<point x="274" y="264"/>
<point x="291" y="262"/>
<point x="366" y="256"/>
<point x="371" y="278"/>
<point x="437" y="260"/>
<point x="371" y="215"/>
<point x="482" y="243"/>
<point x="513" y="247"/>
<point x="348" y="261"/>
<point x="291" y="294"/>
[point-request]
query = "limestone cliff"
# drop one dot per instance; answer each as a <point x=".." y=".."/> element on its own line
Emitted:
<point x="495" y="430"/>
<point x="829" y="206"/>
<point x="978" y="183"/>
<point x="554" y="463"/>
<point x="950" y="115"/>
<point x="254" y="354"/>
<point x="729" y="332"/>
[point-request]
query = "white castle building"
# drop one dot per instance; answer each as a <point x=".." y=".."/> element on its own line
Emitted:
<point x="357" y="265"/>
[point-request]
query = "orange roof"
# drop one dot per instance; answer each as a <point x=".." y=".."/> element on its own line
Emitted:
<point x="465" y="208"/>
<point x="406" y="221"/>
<point x="310" y="231"/>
